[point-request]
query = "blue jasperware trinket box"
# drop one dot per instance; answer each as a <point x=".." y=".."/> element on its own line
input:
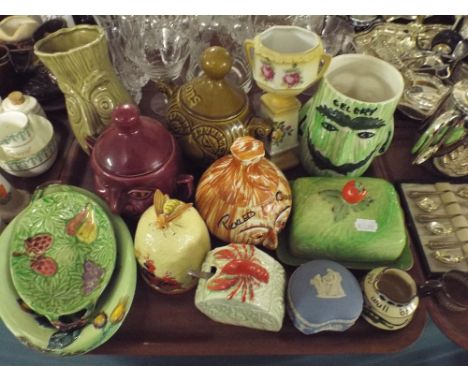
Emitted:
<point x="323" y="295"/>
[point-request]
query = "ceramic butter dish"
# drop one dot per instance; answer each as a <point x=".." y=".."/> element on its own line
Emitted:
<point x="246" y="289"/>
<point x="170" y="241"/>
<point x="355" y="221"/>
<point x="323" y="296"/>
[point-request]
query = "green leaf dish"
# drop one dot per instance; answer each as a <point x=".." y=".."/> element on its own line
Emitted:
<point x="110" y="311"/>
<point x="62" y="255"/>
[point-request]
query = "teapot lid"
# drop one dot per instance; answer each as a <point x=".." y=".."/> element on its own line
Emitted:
<point x="211" y="95"/>
<point x="133" y="145"/>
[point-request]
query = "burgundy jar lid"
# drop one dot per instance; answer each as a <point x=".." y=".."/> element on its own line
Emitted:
<point x="133" y="145"/>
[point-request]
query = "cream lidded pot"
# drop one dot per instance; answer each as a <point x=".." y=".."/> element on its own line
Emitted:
<point x="27" y="144"/>
<point x="17" y="101"/>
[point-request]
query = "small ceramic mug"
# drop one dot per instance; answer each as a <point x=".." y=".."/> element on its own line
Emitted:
<point x="349" y="121"/>
<point x="390" y="298"/>
<point x="286" y="59"/>
<point x="450" y="290"/>
<point x="15" y="132"/>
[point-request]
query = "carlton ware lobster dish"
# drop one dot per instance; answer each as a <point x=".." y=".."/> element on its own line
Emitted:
<point x="243" y="197"/>
<point x="246" y="288"/>
<point x="35" y="330"/>
<point x="133" y="157"/>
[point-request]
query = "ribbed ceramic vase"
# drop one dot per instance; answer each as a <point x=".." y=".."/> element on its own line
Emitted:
<point x="78" y="58"/>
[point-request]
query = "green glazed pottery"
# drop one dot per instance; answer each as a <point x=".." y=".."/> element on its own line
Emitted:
<point x="62" y="255"/>
<point x="78" y="57"/>
<point x="244" y="286"/>
<point x="36" y="332"/>
<point x="357" y="222"/>
<point x="349" y="121"/>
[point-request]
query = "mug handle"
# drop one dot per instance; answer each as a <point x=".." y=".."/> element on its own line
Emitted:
<point x="248" y="46"/>
<point x="429" y="287"/>
<point x="326" y="59"/>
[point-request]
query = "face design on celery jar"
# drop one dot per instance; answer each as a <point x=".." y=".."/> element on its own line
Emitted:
<point x="343" y="143"/>
<point x="125" y="198"/>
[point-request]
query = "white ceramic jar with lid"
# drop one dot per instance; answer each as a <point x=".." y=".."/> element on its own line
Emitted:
<point x="17" y="101"/>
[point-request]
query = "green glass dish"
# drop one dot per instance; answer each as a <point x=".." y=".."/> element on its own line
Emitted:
<point x="62" y="255"/>
<point x="36" y="332"/>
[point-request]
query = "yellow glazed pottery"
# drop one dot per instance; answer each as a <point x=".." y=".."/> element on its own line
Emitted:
<point x="171" y="240"/>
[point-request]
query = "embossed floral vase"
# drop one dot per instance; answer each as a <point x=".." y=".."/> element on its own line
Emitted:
<point x="243" y="197"/>
<point x="78" y="58"/>
<point x="247" y="288"/>
<point x="171" y="241"/>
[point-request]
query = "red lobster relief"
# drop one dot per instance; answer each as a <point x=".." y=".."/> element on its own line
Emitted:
<point x="243" y="271"/>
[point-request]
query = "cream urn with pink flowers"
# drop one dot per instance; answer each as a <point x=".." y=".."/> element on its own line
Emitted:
<point x="286" y="59"/>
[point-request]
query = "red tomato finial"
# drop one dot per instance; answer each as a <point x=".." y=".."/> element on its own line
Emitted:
<point x="353" y="192"/>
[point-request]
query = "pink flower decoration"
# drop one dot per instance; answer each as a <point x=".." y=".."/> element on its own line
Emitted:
<point x="292" y="79"/>
<point x="267" y="72"/>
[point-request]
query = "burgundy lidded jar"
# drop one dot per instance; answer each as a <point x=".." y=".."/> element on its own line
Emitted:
<point x="133" y="157"/>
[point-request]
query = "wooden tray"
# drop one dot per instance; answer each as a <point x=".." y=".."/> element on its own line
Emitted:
<point x="161" y="325"/>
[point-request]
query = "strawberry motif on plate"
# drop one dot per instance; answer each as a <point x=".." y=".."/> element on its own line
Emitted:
<point x="36" y="246"/>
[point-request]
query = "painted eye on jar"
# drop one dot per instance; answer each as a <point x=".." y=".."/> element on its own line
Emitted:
<point x="140" y="194"/>
<point x="257" y="236"/>
<point x="328" y="126"/>
<point x="365" y="135"/>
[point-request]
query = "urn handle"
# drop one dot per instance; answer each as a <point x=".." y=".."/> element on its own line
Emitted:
<point x="325" y="61"/>
<point x="249" y="46"/>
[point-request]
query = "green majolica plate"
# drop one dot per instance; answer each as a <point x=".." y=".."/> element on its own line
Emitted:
<point x="62" y="255"/>
<point x="111" y="309"/>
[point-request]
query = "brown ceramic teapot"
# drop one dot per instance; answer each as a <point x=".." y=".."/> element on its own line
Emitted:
<point x="134" y="156"/>
<point x="208" y="113"/>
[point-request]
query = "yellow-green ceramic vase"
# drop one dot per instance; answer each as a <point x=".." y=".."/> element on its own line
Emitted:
<point x="78" y="58"/>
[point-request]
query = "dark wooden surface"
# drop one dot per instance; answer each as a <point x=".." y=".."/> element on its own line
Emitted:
<point x="160" y="325"/>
